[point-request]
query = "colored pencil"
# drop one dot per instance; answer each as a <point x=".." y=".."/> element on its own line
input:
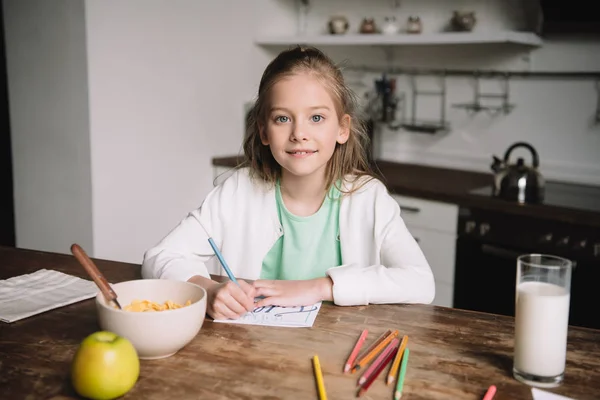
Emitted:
<point x="319" y="378"/>
<point x="489" y="395"/>
<point x="218" y="254"/>
<point x="396" y="364"/>
<point x="392" y="347"/>
<point x="222" y="260"/>
<point x="364" y="360"/>
<point x="355" y="350"/>
<point x="401" y="375"/>
<point x="371" y="347"/>
<point x="380" y="367"/>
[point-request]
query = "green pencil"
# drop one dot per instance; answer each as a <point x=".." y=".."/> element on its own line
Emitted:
<point x="401" y="375"/>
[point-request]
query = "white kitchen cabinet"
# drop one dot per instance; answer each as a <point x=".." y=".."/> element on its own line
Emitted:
<point x="428" y="214"/>
<point x="439" y="248"/>
<point x="433" y="224"/>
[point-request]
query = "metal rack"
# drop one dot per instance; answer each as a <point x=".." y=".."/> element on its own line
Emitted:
<point x="595" y="75"/>
<point x="476" y="106"/>
<point x="416" y="125"/>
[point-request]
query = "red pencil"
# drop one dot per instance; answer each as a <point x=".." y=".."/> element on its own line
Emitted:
<point x="489" y="395"/>
<point x="354" y="353"/>
<point x="390" y="347"/>
<point x="375" y="374"/>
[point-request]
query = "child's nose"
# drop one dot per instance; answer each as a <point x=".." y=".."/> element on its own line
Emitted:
<point x="299" y="132"/>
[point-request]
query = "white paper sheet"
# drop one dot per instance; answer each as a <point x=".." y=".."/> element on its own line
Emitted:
<point x="30" y="294"/>
<point x="291" y="317"/>
<point x="543" y="395"/>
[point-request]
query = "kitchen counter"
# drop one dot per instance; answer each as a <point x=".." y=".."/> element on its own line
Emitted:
<point x="454" y="354"/>
<point x="453" y="186"/>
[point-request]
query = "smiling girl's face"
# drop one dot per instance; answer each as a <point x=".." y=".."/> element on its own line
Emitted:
<point x="303" y="126"/>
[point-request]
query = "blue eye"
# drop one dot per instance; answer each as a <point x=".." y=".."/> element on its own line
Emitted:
<point x="282" y="119"/>
<point x="317" y="118"/>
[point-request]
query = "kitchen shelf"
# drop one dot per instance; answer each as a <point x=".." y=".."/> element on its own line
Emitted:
<point x="444" y="38"/>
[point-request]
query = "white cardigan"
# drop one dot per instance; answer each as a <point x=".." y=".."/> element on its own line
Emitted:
<point x="381" y="261"/>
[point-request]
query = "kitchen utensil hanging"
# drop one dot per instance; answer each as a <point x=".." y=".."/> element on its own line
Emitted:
<point x="383" y="103"/>
<point x="424" y="126"/>
<point x="476" y="106"/>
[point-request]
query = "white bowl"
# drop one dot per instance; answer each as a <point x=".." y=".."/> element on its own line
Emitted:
<point x="154" y="334"/>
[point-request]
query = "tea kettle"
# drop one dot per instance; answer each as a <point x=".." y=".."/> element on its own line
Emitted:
<point x="518" y="182"/>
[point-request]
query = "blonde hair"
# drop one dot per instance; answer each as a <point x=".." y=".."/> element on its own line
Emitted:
<point x="349" y="160"/>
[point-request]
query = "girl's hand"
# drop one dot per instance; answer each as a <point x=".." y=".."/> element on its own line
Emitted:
<point x="293" y="293"/>
<point x="229" y="301"/>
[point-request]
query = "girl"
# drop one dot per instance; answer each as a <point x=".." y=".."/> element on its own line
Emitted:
<point x="303" y="218"/>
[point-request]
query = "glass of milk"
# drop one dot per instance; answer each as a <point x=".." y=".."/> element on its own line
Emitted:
<point x="541" y="319"/>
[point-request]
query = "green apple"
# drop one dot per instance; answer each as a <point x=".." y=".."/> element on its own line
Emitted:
<point x="105" y="366"/>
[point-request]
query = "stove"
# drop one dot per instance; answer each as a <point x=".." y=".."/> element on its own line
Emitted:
<point x="565" y="195"/>
<point x="489" y="242"/>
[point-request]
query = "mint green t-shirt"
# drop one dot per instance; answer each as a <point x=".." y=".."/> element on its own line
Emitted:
<point x="309" y="245"/>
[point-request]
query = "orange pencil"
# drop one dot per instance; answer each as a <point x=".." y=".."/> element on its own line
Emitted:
<point x="354" y="353"/>
<point x="371" y="347"/>
<point x="396" y="364"/>
<point x="364" y="360"/>
<point x="390" y="348"/>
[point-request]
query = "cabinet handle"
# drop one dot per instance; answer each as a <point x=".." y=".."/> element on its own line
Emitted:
<point x="408" y="209"/>
<point x="508" y="254"/>
<point x="500" y="252"/>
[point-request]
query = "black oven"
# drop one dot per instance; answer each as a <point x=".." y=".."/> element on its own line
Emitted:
<point x="487" y="247"/>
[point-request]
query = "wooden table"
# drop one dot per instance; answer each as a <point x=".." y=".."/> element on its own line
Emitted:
<point x="455" y="354"/>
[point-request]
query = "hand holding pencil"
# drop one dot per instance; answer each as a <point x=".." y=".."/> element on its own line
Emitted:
<point x="225" y="300"/>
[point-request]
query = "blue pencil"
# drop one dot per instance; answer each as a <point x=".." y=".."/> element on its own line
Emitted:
<point x="222" y="260"/>
<point x="218" y="253"/>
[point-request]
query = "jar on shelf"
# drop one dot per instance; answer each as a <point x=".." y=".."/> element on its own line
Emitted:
<point x="368" y="25"/>
<point x="338" y="25"/>
<point x="414" y="24"/>
<point x="390" y="26"/>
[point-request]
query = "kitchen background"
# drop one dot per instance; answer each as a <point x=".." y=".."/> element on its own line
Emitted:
<point x="117" y="108"/>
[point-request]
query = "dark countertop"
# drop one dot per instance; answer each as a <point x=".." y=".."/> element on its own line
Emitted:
<point x="453" y="186"/>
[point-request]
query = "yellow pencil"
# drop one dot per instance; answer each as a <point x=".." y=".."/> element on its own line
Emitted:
<point x="319" y="378"/>
<point x="394" y="368"/>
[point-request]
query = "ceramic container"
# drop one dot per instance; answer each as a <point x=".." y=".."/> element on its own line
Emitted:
<point x="155" y="334"/>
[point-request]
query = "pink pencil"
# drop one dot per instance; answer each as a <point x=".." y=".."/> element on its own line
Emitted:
<point x="390" y="348"/>
<point x="354" y="353"/>
<point x="489" y="395"/>
<point x="373" y="376"/>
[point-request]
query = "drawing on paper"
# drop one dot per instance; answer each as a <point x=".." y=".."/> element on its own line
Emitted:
<point x="303" y="316"/>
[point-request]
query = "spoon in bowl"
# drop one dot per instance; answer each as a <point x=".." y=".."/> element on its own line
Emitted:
<point x="95" y="274"/>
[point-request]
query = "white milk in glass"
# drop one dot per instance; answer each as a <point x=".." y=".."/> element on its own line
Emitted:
<point x="541" y="325"/>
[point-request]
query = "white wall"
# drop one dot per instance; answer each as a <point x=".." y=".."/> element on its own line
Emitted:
<point x="47" y="88"/>
<point x="164" y="88"/>
<point x="167" y="81"/>
<point x="555" y="115"/>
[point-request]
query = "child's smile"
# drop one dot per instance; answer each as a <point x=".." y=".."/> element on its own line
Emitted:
<point x="301" y="153"/>
<point x="303" y="127"/>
